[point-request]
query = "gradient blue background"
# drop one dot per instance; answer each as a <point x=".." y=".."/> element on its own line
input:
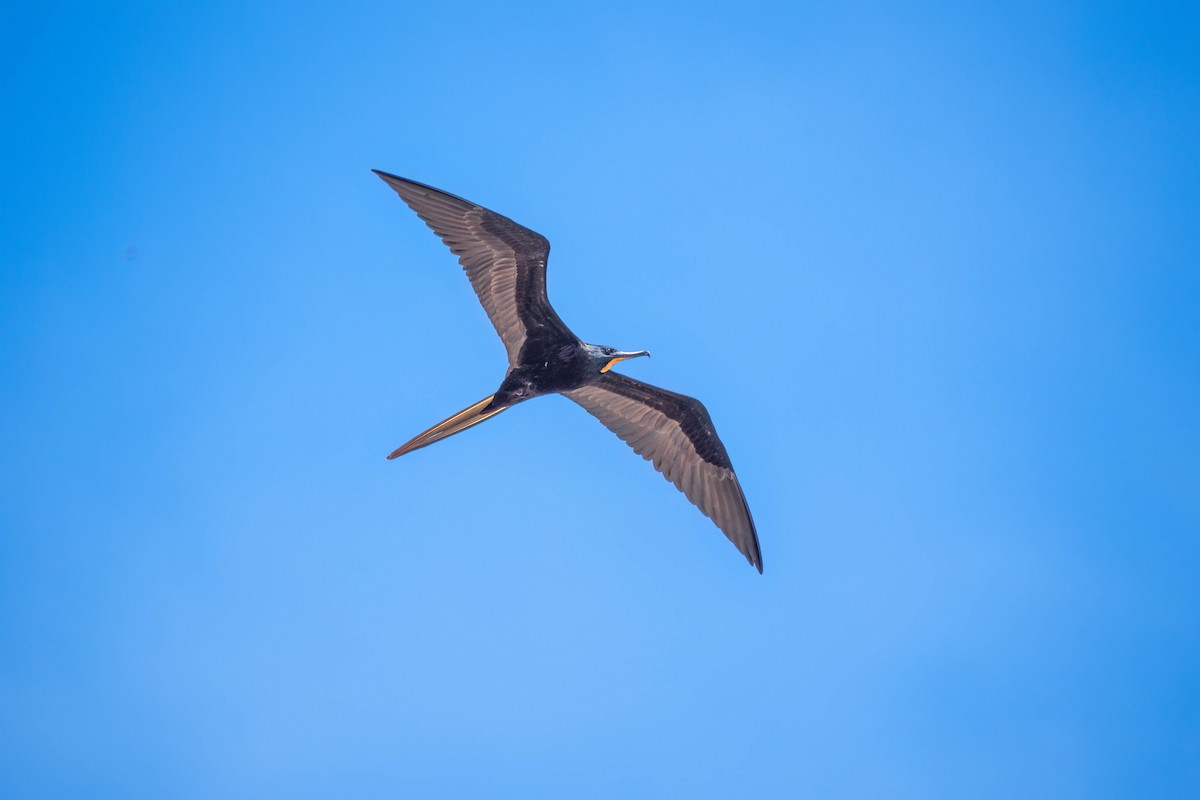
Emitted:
<point x="933" y="269"/>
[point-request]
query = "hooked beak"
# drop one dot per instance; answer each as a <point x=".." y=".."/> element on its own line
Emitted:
<point x="621" y="356"/>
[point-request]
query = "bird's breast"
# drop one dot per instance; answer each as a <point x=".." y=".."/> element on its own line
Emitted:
<point x="551" y="366"/>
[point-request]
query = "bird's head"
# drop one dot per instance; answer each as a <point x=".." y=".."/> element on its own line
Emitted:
<point x="604" y="357"/>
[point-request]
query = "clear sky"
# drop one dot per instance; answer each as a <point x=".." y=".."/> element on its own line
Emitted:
<point x="934" y="270"/>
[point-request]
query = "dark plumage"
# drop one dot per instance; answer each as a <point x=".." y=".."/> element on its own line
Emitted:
<point x="506" y="264"/>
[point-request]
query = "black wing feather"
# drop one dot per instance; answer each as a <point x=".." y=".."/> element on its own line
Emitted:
<point x="505" y="262"/>
<point x="675" y="432"/>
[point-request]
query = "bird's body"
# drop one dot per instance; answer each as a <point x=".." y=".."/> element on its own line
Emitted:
<point x="546" y="367"/>
<point x="506" y="264"/>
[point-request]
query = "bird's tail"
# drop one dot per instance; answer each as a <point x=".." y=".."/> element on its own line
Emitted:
<point x="472" y="415"/>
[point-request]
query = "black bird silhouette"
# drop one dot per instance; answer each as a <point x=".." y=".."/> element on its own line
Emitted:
<point x="506" y="264"/>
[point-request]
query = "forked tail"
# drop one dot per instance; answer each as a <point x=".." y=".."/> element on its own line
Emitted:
<point x="464" y="419"/>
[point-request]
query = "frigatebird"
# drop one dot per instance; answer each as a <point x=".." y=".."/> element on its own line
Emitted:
<point x="506" y="264"/>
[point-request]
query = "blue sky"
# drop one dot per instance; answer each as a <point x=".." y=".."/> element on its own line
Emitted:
<point x="932" y="268"/>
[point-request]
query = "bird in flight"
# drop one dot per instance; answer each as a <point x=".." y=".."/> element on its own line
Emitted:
<point x="506" y="264"/>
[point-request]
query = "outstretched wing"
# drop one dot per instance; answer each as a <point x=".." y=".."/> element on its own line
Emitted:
<point x="505" y="262"/>
<point x="675" y="432"/>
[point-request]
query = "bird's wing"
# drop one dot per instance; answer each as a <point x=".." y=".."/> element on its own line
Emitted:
<point x="505" y="262"/>
<point x="675" y="432"/>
